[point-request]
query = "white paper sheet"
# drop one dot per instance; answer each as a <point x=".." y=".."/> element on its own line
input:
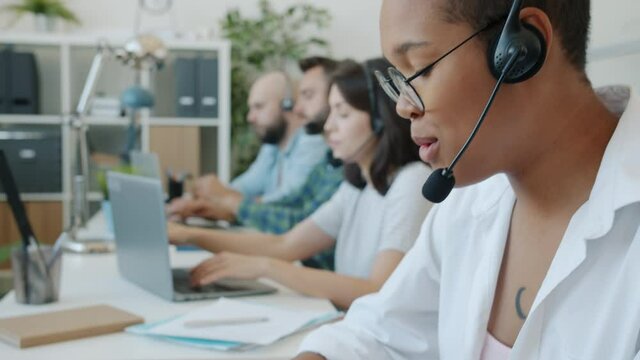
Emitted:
<point x="281" y="323"/>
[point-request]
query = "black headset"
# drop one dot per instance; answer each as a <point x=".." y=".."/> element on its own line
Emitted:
<point x="517" y="36"/>
<point x="377" y="124"/>
<point x="516" y="55"/>
<point x="287" y="104"/>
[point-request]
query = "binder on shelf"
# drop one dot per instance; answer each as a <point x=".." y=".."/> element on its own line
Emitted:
<point x="24" y="94"/>
<point x="207" y="75"/>
<point x="4" y="81"/>
<point x="36" y="158"/>
<point x="186" y="86"/>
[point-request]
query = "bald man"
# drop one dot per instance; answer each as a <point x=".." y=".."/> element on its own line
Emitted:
<point x="284" y="161"/>
<point x="266" y="115"/>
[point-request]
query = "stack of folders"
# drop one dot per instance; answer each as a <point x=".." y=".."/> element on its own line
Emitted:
<point x="233" y="325"/>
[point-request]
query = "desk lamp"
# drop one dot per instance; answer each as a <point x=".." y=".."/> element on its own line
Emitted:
<point x="143" y="53"/>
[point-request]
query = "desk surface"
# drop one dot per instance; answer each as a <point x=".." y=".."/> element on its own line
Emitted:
<point x="93" y="279"/>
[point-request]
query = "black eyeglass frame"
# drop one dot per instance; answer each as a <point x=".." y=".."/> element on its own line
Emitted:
<point x="394" y="76"/>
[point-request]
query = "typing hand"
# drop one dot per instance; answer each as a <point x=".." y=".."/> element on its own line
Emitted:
<point x="184" y="208"/>
<point x="209" y="186"/>
<point x="229" y="265"/>
<point x="179" y="234"/>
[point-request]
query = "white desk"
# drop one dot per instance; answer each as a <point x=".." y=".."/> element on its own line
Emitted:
<point x="93" y="279"/>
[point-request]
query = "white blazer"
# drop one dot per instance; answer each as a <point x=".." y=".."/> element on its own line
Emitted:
<point x="437" y="303"/>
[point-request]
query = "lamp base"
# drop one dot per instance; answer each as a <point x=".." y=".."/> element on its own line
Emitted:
<point x="88" y="244"/>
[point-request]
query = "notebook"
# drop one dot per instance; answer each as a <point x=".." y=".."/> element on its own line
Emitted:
<point x="268" y="324"/>
<point x="57" y="326"/>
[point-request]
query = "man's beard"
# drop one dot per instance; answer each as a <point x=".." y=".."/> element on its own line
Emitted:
<point x="316" y="125"/>
<point x="275" y="133"/>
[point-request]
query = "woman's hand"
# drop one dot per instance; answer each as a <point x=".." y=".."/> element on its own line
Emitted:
<point x="229" y="265"/>
<point x="179" y="234"/>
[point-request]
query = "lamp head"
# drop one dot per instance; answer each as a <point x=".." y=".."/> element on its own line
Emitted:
<point x="143" y="51"/>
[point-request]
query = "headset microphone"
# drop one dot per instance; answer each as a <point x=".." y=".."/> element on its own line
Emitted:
<point x="515" y="55"/>
<point x="441" y="181"/>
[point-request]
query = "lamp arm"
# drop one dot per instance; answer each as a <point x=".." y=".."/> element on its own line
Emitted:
<point x="90" y="82"/>
<point x="80" y="158"/>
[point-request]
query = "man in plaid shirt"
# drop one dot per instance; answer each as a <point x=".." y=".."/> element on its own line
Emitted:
<point x="281" y="215"/>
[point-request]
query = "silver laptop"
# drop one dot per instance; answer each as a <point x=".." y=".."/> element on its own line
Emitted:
<point x="142" y="246"/>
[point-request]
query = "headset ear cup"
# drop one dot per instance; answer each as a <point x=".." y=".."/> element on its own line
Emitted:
<point x="377" y="125"/>
<point x="534" y="61"/>
<point x="526" y="67"/>
<point x="287" y="104"/>
<point x="491" y="54"/>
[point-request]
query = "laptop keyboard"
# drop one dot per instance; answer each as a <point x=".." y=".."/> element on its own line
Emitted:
<point x="182" y="284"/>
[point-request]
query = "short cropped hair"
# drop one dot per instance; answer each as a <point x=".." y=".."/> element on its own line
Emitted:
<point x="328" y="65"/>
<point x="570" y="20"/>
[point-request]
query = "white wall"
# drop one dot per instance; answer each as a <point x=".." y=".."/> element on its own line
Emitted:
<point x="354" y="29"/>
<point x="615" y="28"/>
<point x="353" y="33"/>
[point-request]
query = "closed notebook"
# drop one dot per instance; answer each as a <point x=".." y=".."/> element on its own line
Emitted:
<point x="51" y="327"/>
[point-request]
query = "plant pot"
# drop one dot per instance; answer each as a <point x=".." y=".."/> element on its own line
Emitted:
<point x="45" y="23"/>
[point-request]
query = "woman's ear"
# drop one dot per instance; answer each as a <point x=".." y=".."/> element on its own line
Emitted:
<point x="541" y="22"/>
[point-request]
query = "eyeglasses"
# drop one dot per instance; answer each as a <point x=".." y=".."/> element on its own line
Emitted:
<point x="395" y="85"/>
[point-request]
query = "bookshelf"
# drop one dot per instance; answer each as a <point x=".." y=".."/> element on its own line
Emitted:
<point x="194" y="144"/>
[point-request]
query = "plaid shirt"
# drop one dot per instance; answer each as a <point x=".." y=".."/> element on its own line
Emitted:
<point x="282" y="215"/>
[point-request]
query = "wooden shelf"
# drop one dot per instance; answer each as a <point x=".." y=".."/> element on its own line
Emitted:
<point x="154" y="121"/>
<point x="107" y="120"/>
<point x="44" y="197"/>
<point x="19" y="119"/>
<point x="184" y="121"/>
<point x="113" y="39"/>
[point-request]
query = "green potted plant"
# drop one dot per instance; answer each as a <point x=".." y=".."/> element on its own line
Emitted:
<point x="5" y="252"/>
<point x="46" y="13"/>
<point x="273" y="40"/>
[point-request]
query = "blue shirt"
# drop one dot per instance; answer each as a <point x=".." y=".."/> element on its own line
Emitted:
<point x="275" y="173"/>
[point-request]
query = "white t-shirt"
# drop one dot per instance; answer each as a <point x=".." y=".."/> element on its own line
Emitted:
<point x="363" y="222"/>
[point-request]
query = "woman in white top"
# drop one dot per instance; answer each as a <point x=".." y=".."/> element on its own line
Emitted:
<point x="537" y="254"/>
<point x="372" y="219"/>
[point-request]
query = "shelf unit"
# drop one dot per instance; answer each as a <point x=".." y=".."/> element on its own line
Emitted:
<point x="63" y="62"/>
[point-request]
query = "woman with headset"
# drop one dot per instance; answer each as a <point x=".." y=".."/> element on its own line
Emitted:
<point x="372" y="219"/>
<point x="536" y="254"/>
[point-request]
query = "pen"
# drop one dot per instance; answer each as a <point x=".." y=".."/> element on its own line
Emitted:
<point x="232" y="321"/>
<point x="56" y="250"/>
